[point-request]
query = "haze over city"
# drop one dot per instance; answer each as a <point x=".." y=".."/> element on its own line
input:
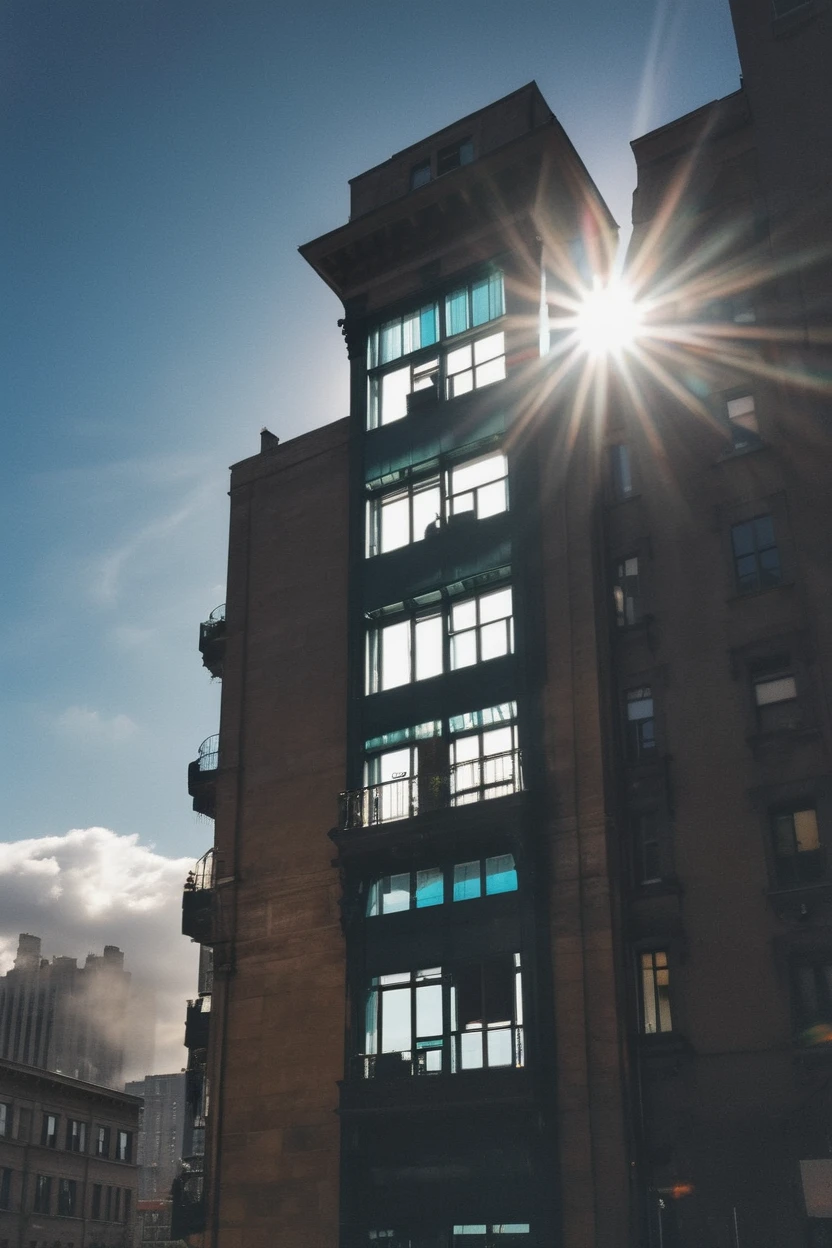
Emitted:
<point x="164" y="161"/>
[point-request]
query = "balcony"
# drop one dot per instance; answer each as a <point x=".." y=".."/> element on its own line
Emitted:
<point x="212" y="641"/>
<point x="198" y="901"/>
<point x="474" y="1049"/>
<point x="188" y="1199"/>
<point x="406" y="797"/>
<point x="202" y="777"/>
<point x="197" y="1022"/>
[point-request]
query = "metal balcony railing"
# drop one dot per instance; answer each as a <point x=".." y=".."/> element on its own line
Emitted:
<point x="212" y="640"/>
<point x="497" y="1047"/>
<point x="208" y="753"/>
<point x="478" y="780"/>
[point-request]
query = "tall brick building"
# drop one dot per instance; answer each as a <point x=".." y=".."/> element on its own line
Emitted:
<point x="557" y="636"/>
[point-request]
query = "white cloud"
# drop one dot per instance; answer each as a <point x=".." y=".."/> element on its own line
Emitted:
<point x="83" y="726"/>
<point x="91" y="887"/>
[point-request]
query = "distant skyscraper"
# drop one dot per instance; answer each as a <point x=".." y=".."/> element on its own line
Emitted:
<point x="66" y="1018"/>
<point x="161" y="1123"/>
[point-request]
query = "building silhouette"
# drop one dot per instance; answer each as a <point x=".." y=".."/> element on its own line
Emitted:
<point x="161" y="1124"/>
<point x="63" y="1017"/>
<point x="554" y="622"/>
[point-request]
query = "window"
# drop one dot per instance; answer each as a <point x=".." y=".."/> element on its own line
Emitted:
<point x="417" y="890"/>
<point x="756" y="558"/>
<point x="433" y="1021"/>
<point x="76" y="1135"/>
<point x="626" y="592"/>
<point x="622" y="476"/>
<point x="23" y="1131"/>
<point x="484" y="763"/>
<point x="655" y="993"/>
<point x="5" y="1187"/>
<point x="95" y="1209"/>
<point x="394" y="387"/>
<point x="489" y="1235"/>
<point x="641" y="724"/>
<point x="116" y="1209"/>
<point x="775" y="699"/>
<point x="124" y="1146"/>
<point x="476" y="487"/>
<point x="812" y="996"/>
<point x="5" y="1119"/>
<point x="108" y="1204"/>
<point x="797" y="851"/>
<point x="647" y="847"/>
<point x="102" y="1141"/>
<point x="125" y="1205"/>
<point x="477" y="364"/>
<point x="43" y="1194"/>
<point x="452" y="157"/>
<point x="472" y="757"/>
<point x="420" y="175"/>
<point x="67" y="1198"/>
<point x="411" y="649"/>
<point x="742" y="418"/>
<point x="481" y="628"/>
<point x="49" y="1131"/>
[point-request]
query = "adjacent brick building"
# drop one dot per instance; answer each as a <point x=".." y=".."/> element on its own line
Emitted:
<point x="67" y="1162"/>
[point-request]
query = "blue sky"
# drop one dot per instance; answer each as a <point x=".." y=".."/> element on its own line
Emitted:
<point x="162" y="161"/>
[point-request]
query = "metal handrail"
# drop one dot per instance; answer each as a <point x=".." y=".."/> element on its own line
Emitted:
<point x="449" y="1049"/>
<point x="208" y="753"/>
<point x="202" y="876"/>
<point x="217" y="615"/>
<point x="477" y="780"/>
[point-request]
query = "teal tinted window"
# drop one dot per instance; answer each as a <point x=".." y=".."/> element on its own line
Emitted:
<point x="430" y="888"/>
<point x="500" y="874"/>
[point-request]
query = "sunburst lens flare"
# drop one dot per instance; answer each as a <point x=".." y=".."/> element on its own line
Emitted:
<point x="608" y="320"/>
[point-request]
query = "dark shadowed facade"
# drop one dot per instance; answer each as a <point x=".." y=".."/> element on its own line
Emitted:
<point x="560" y="972"/>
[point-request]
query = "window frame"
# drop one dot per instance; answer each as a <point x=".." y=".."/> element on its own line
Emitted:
<point x="6" y="1115"/>
<point x="744" y="426"/>
<point x="626" y="602"/>
<point x="440" y="479"/>
<point x="641" y="746"/>
<point x="6" y="1188"/>
<point x="67" y="1202"/>
<point x="42" y="1194"/>
<point x="448" y="1043"/>
<point x="102" y="1141"/>
<point x="444" y="345"/>
<point x="775" y="715"/>
<point x="753" y="583"/>
<point x="819" y="963"/>
<point x="124" y="1153"/>
<point x="800" y="866"/>
<point x="654" y="1005"/>
<point x="49" y="1139"/>
<point x="455" y="156"/>
<point x="76" y="1140"/>
<point x="374" y="894"/>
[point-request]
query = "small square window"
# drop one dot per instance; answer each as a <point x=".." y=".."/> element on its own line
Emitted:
<point x="797" y="849"/>
<point x="775" y="697"/>
<point x="742" y="417"/>
<point x="641" y="723"/>
<point x="756" y="557"/>
<point x="655" y="993"/>
<point x="420" y="175"/>
<point x="626" y="592"/>
<point x="454" y="155"/>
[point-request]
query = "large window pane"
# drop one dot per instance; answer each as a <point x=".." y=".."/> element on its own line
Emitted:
<point x="456" y="312"/>
<point x="429" y="1010"/>
<point x="478" y="472"/>
<point x="395" y="1021"/>
<point x="429" y="647"/>
<point x="395" y="387"/>
<point x="427" y="508"/>
<point x="500" y="874"/>
<point x="395" y="893"/>
<point x="395" y="655"/>
<point x="466" y="881"/>
<point x="395" y="522"/>
<point x="430" y="888"/>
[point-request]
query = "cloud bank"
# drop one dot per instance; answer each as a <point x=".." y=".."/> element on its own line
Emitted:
<point x="91" y="887"/>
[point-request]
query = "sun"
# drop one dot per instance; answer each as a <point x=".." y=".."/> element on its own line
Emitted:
<point x="608" y="319"/>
